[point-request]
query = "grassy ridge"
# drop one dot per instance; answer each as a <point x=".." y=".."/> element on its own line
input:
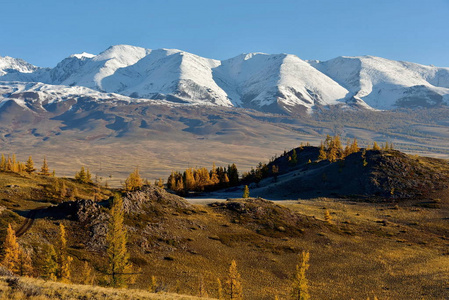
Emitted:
<point x="394" y="251"/>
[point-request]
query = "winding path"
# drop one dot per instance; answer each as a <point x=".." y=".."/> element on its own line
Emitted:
<point x="31" y="216"/>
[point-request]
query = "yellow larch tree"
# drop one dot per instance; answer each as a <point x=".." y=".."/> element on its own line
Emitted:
<point x="322" y="154"/>
<point x="12" y="251"/>
<point x="245" y="192"/>
<point x="29" y="166"/>
<point x="45" y="170"/>
<point x="134" y="181"/>
<point x="50" y="265"/>
<point x="327" y="217"/>
<point x="116" y="244"/>
<point x="25" y="265"/>
<point x="376" y="146"/>
<point x="63" y="260"/>
<point x="300" y="286"/>
<point x="235" y="290"/>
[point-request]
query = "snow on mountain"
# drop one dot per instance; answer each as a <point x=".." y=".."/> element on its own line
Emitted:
<point x="169" y="74"/>
<point x="89" y="71"/>
<point x="8" y="64"/>
<point x="385" y="84"/>
<point x="83" y="55"/>
<point x="259" y="80"/>
<point x="25" y="93"/>
<point x="12" y="69"/>
<point x="272" y="83"/>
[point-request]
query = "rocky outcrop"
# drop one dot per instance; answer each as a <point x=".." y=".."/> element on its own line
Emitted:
<point x="153" y="198"/>
<point x="91" y="216"/>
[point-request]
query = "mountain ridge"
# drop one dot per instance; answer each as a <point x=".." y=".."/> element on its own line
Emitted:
<point x="280" y="83"/>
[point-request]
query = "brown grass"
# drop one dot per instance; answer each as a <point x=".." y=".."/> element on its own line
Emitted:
<point x="391" y="251"/>
<point x="36" y="289"/>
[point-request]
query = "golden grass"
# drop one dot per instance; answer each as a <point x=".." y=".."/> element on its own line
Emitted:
<point x="36" y="289"/>
<point x="394" y="252"/>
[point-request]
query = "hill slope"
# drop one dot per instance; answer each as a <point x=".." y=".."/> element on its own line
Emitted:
<point x="183" y="244"/>
<point x="375" y="174"/>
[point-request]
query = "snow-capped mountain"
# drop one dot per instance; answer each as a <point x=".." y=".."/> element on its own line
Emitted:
<point x="15" y="69"/>
<point x="385" y="84"/>
<point x="169" y="74"/>
<point x="268" y="82"/>
<point x="271" y="83"/>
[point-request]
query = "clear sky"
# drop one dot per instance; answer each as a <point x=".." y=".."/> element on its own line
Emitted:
<point x="43" y="32"/>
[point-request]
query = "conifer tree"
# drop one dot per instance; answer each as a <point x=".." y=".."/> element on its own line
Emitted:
<point x="63" y="259"/>
<point x="233" y="175"/>
<point x="25" y="267"/>
<point x="81" y="175"/>
<point x="171" y="182"/>
<point x="294" y="159"/>
<point x="50" y="267"/>
<point x="375" y="146"/>
<point x="219" y="290"/>
<point x="225" y="179"/>
<point x="29" y="167"/>
<point x="327" y="217"/>
<point x="235" y="290"/>
<point x="300" y="286"/>
<point x="116" y="244"/>
<point x="86" y="274"/>
<point x="189" y="180"/>
<point x="213" y="175"/>
<point x="15" y="164"/>
<point x="3" y="163"/>
<point x="347" y="150"/>
<point x="245" y="192"/>
<point x="354" y="146"/>
<point x="160" y="183"/>
<point x="134" y="181"/>
<point x="322" y="154"/>
<point x="180" y="185"/>
<point x="45" y="170"/>
<point x="11" y="248"/>
<point x="88" y="176"/>
<point x="153" y="285"/>
<point x="9" y="165"/>
<point x="22" y="167"/>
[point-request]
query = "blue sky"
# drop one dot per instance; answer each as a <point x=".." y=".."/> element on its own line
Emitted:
<point x="46" y="31"/>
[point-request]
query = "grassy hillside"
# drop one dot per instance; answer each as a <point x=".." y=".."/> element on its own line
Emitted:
<point x="37" y="289"/>
<point x="391" y="250"/>
<point x="375" y="175"/>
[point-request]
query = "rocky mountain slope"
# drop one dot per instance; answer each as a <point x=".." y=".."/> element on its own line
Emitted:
<point x="270" y="83"/>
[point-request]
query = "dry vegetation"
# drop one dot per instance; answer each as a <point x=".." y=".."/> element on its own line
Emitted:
<point x="37" y="289"/>
<point x="394" y="250"/>
<point x="198" y="136"/>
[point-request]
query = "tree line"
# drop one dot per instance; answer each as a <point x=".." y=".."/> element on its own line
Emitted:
<point x="11" y="164"/>
<point x="202" y="179"/>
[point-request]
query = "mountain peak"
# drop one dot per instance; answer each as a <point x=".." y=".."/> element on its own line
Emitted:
<point x="83" y="55"/>
<point x="266" y="82"/>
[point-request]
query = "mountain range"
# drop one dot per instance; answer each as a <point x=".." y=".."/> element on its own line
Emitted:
<point x="275" y="83"/>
